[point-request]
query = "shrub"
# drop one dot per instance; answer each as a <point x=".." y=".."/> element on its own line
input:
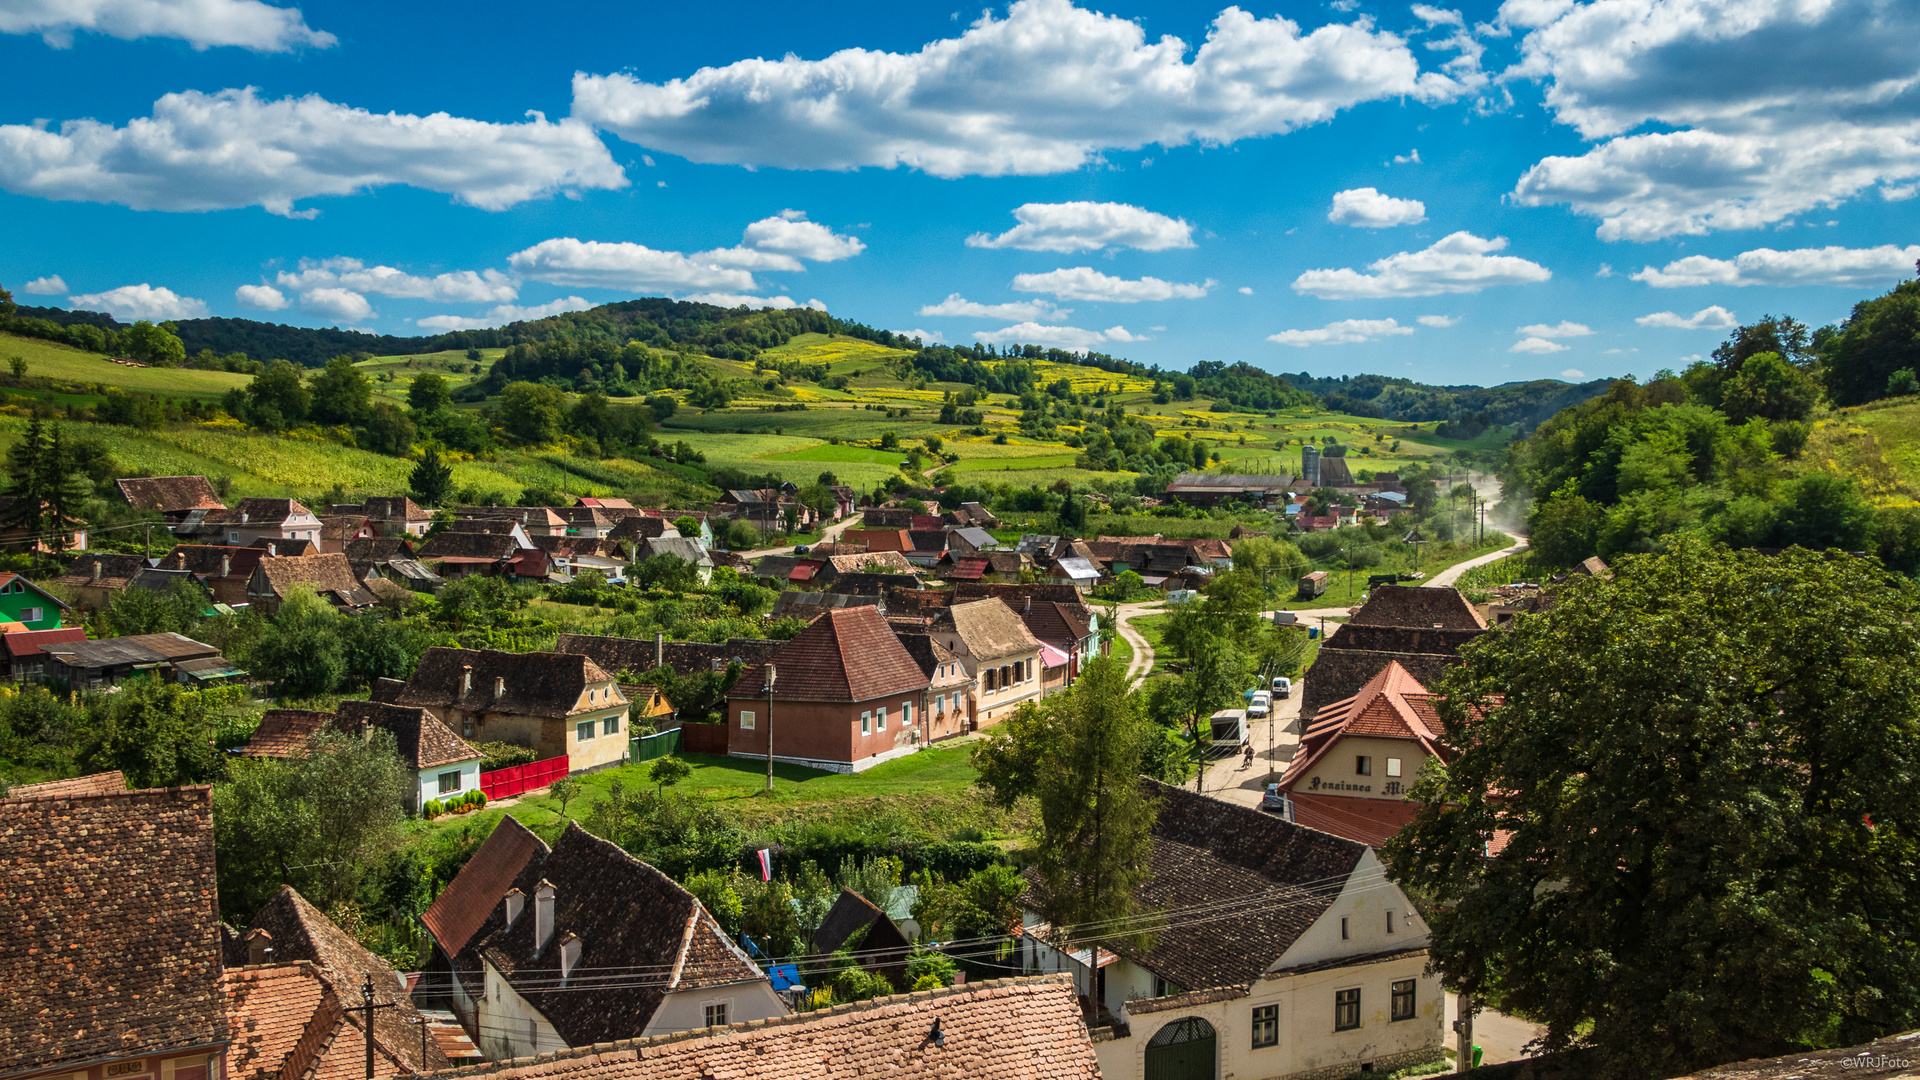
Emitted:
<point x="479" y="799"/>
<point x="433" y="809"/>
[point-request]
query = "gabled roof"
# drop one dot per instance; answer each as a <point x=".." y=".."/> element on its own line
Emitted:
<point x="628" y="916"/>
<point x="462" y="907"/>
<point x="120" y="888"/>
<point x="684" y="548"/>
<point x="283" y="733"/>
<point x="879" y="539"/>
<point x="132" y="649"/>
<point x="169" y="494"/>
<point x="280" y="545"/>
<point x="536" y="684"/>
<point x="281" y="1016"/>
<point x="424" y="742"/>
<point x="579" y="546"/>
<point x="847" y="654"/>
<point x="116" y="571"/>
<point x="101" y="783"/>
<point x="1054" y="623"/>
<point x="975" y="537"/>
<point x="642" y="526"/>
<point x="468" y="547"/>
<point x="330" y="575"/>
<point x="1392" y="705"/>
<point x="1367" y="821"/>
<point x="850" y="914"/>
<point x="864" y="561"/>
<point x="377" y="550"/>
<point x="1008" y="1029"/>
<point x="1076" y="568"/>
<point x="396" y="508"/>
<point x="207" y="560"/>
<point x="255" y="512"/>
<point x="605" y="503"/>
<point x="989" y="629"/>
<point x="926" y="652"/>
<point x="616" y="654"/>
<point x="1424" y="608"/>
<point x="344" y="527"/>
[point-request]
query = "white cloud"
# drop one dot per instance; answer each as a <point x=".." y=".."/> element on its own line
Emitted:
<point x="51" y="285"/>
<point x="142" y="301"/>
<point x="1071" y="338"/>
<point x="790" y="233"/>
<point x="1708" y="318"/>
<point x="341" y="305"/>
<point x="927" y="337"/>
<point x="232" y="149"/>
<point x="1770" y="108"/>
<point x="1435" y="16"/>
<point x="1802" y="266"/>
<point x="262" y="297"/>
<point x="1439" y="321"/>
<point x="1538" y="346"/>
<point x="1021" y="311"/>
<point x="1559" y="330"/>
<point x="1044" y="90"/>
<point x="1246" y="290"/>
<point x="1411" y="157"/>
<point x="1367" y="208"/>
<point x="1459" y="263"/>
<point x="1344" y="332"/>
<point x="1086" y="283"/>
<point x="247" y="24"/>
<point x="454" y="287"/>
<point x="504" y="314"/>
<point x="1606" y="270"/>
<point x="601" y="265"/>
<point x="1573" y="373"/>
<point x="731" y="300"/>
<point x="1088" y="226"/>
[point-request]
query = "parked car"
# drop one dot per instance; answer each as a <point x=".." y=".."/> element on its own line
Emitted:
<point x="1261" y="705"/>
<point x="800" y="549"/>
<point x="1282" y="687"/>
<point x="1272" y="800"/>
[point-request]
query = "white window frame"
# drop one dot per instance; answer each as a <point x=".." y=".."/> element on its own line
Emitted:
<point x="746" y="719"/>
<point x="866" y="723"/>
<point x="906" y="714"/>
<point x="33" y="614"/>
<point x="1393" y="766"/>
<point x="708" y="1009"/>
<point x="583" y="731"/>
<point x="458" y="782"/>
<point x="880" y="718"/>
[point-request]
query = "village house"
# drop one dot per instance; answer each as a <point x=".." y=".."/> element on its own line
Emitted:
<point x="1359" y="757"/>
<point x="885" y="562"/>
<point x="225" y="571"/>
<point x="283" y="733"/>
<point x="392" y="558"/>
<point x="561" y="705"/>
<point x="338" y="530"/>
<point x="1079" y="573"/>
<point x="1321" y="973"/>
<point x="632" y="530"/>
<point x="531" y="933"/>
<point x="1420" y="628"/>
<point x="970" y="541"/>
<point x="458" y="553"/>
<point x="876" y="941"/>
<point x="640" y="655"/>
<point x="590" y="522"/>
<point x="172" y="497"/>
<point x="533" y="520"/>
<point x="26" y="656"/>
<point x="94" y="578"/>
<point x="1211" y="489"/>
<point x="950" y="689"/>
<point x="845" y="501"/>
<point x="95" y="665"/>
<point x="846" y="696"/>
<point x="269" y="519"/>
<point x="572" y="554"/>
<point x="678" y="547"/>
<point x="24" y="604"/>
<point x="118" y="886"/>
<point x="390" y="515"/>
<point x="1071" y="632"/>
<point x="971" y="515"/>
<point x="330" y="576"/>
<point x="442" y="764"/>
<point x="997" y="650"/>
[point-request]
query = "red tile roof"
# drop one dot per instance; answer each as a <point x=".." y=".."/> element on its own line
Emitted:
<point x="102" y="783"/>
<point x="1392" y="705"/>
<point x="1010" y="1029"/>
<point x="277" y="1012"/>
<point x="169" y="494"/>
<point x="1368" y="821"/>
<point x="29" y="642"/>
<point x="463" y="906"/>
<point x="848" y="654"/>
<point x="283" y="733"/>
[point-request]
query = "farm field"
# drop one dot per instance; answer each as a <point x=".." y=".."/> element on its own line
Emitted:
<point x="1893" y="425"/>
<point x="54" y="361"/>
<point x="392" y="375"/>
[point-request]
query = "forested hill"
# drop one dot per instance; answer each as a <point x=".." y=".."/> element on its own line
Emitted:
<point x="1523" y="403"/>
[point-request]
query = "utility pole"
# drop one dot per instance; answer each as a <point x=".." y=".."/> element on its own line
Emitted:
<point x="366" y="994"/>
<point x="770" y="678"/>
<point x="423" y="1042"/>
<point x="149" y="541"/>
<point x="1463" y="1044"/>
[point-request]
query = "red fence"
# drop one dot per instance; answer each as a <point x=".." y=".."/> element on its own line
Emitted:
<point x="506" y="783"/>
<point x="703" y="738"/>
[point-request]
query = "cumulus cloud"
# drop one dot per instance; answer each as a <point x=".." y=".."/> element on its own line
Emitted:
<point x="1246" y="290"/>
<point x="1559" y="330"/>
<point x="780" y="242"/>
<point x="1086" y="283"/>
<point x="246" y="24"/>
<point x="1344" y="332"/>
<point x="51" y="285"/>
<point x="929" y="337"/>
<point x="790" y="233"/>
<point x="1539" y="346"/>
<point x="1020" y="311"/>
<point x="1088" y="226"/>
<point x="261" y="297"/>
<point x="1772" y="109"/>
<point x="453" y="287"/>
<point x="1044" y="90"/>
<point x="340" y="305"/>
<point x="233" y="148"/>
<point x="1367" y="208"/>
<point x="1071" y="338"/>
<point x="1573" y="373"/>
<point x="1459" y="263"/>
<point x="1439" y="321"/>
<point x="1436" y="16"/>
<point x="142" y="301"/>
<point x="1707" y="318"/>
<point x="1802" y="266"/>
<point x="504" y="314"/>
<point x="732" y="300"/>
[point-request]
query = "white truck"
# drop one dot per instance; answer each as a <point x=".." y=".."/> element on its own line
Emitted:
<point x="1229" y="732"/>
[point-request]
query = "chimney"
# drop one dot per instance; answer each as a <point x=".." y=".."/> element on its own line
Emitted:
<point x="569" y="956"/>
<point x="515" y="900"/>
<point x="226" y="565"/>
<point x="272" y="549"/>
<point x="96" y="569"/>
<point x="542" y="916"/>
<point x="499" y="687"/>
<point x="466" y="679"/>
<point x="259" y="947"/>
<point x="659" y="649"/>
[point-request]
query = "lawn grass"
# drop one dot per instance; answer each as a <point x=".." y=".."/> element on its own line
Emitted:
<point x="841" y="453"/>
<point x="68" y="364"/>
<point x="780" y="455"/>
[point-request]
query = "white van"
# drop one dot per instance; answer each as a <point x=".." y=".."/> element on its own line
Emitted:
<point x="1261" y="706"/>
<point x="1229" y="731"/>
<point x="1282" y="687"/>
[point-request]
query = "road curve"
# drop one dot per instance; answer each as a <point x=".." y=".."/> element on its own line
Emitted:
<point x="1445" y="578"/>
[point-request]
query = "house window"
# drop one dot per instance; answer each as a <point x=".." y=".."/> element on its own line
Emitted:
<point x="1344" y="935"/>
<point x="717" y="1015"/>
<point x="1403" y="1000"/>
<point x="583" y="731"/>
<point x="33" y="614"/>
<point x="866" y="723"/>
<point x="906" y="714"/>
<point x="1004" y="680"/>
<point x="1389" y="921"/>
<point x="1393" y="766"/>
<point x="1346" y="1010"/>
<point x="880" y="718"/>
<point x="989" y="686"/>
<point x="1363" y="765"/>
<point x="1266" y="1026"/>
<point x="746" y="719"/>
<point x="449" y="782"/>
<point x="610" y="725"/>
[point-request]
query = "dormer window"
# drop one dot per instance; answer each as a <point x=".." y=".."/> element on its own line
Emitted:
<point x="543" y="917"/>
<point x="569" y="956"/>
<point x="515" y="901"/>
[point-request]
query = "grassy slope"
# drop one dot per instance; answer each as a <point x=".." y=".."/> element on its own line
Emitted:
<point x="66" y="363"/>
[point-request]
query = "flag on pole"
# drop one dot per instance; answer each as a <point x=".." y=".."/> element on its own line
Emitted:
<point x="766" y="864"/>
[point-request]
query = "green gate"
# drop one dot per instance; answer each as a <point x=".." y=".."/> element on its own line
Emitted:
<point x="1183" y="1050"/>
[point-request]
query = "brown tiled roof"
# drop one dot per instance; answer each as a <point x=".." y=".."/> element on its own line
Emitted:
<point x="120" y="888"/>
<point x="879" y="539"/>
<point x="342" y="527"/>
<point x="498" y="526"/>
<point x="537" y="684"/>
<point x="886" y="517"/>
<point x="283" y="733"/>
<point x="1011" y="1029"/>
<point x="869" y="584"/>
<point x="629" y="916"/>
<point x="636" y="655"/>
<point x="1061" y="625"/>
<point x="1424" y="608"/>
<point x="468" y="545"/>
<point x="206" y="560"/>
<point x="101" y="783"/>
<point x="280" y="545"/>
<point x="169" y="494"/>
<point x="301" y="932"/>
<point x="926" y="652"/>
<point x="377" y="550"/>
<point x="462" y="907"/>
<point x="1008" y="562"/>
<point x="1882" y="1059"/>
<point x="396" y="508"/>
<point x="905" y="601"/>
<point x="605" y="502"/>
<point x="848" y="654"/>
<point x="280" y="1015"/>
<point x="577" y="546"/>
<point x="116" y="571"/>
<point x="1366" y="821"/>
<point x="989" y="628"/>
<point x="585" y="517"/>
<point x="1279" y="875"/>
<point x="884" y="948"/>
<point x="1338" y="674"/>
<point x="258" y="511"/>
<point x="330" y="575"/>
<point x="424" y="741"/>
<point x="854" y="564"/>
<point x="641" y="527"/>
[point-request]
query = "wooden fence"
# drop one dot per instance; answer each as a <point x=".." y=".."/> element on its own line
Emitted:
<point x="703" y="738"/>
<point x="648" y="747"/>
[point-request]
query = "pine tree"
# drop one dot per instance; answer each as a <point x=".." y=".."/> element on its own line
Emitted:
<point x="432" y="479"/>
<point x="65" y="492"/>
<point x="26" y="469"/>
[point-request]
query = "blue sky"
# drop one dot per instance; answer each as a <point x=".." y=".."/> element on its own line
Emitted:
<point x="1470" y="194"/>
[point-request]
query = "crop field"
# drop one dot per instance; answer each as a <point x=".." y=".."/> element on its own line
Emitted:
<point x="842" y="354"/>
<point x="843" y="453"/>
<point x="54" y="361"/>
<point x="790" y="457"/>
<point x="392" y="375"/>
